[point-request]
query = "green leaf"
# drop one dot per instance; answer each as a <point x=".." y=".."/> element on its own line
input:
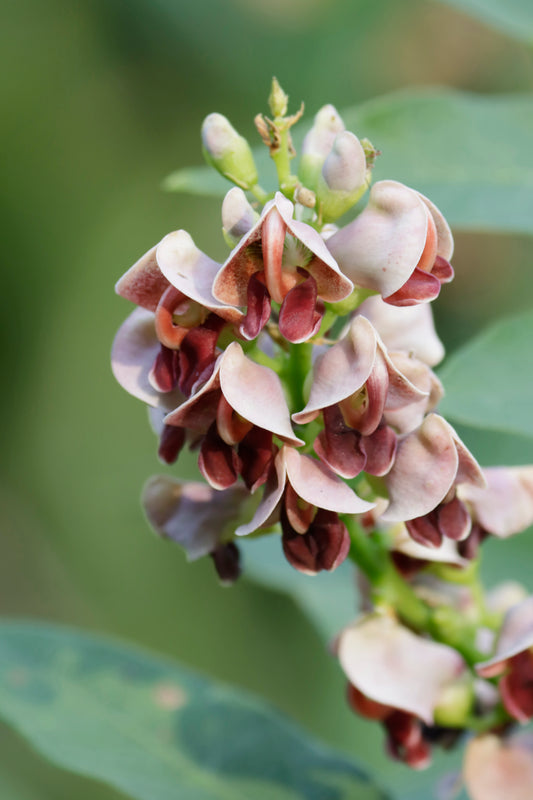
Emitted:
<point x="514" y="17"/>
<point x="470" y="154"/>
<point x="155" y="730"/>
<point x="489" y="381"/>
<point x="328" y="599"/>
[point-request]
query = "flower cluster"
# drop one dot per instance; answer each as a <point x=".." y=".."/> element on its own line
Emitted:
<point x="300" y="371"/>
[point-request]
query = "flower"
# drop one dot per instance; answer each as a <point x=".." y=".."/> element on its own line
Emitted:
<point x="398" y="246"/>
<point x="505" y="505"/>
<point x="496" y="768"/>
<point x="398" y="678"/>
<point x="513" y="660"/>
<point x="430" y="462"/>
<point x="286" y="261"/>
<point x="307" y="497"/>
<point x="354" y="383"/>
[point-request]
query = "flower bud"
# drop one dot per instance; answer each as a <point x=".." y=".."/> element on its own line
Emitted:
<point x="343" y="179"/>
<point x="277" y="100"/>
<point x="238" y="216"/>
<point x="228" y="152"/>
<point x="455" y="704"/>
<point x="318" y="143"/>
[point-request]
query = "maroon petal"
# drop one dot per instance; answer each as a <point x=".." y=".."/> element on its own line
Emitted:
<point x="256" y="454"/>
<point x="164" y="374"/>
<point x="226" y="558"/>
<point x="454" y="520"/>
<point x="442" y="270"/>
<point x="469" y="547"/>
<point x="217" y="461"/>
<point x="299" y="318"/>
<point x="143" y="283"/>
<point x="420" y="287"/>
<point x="299" y="512"/>
<point x="405" y="740"/>
<point x="365" y="706"/>
<point x="170" y="443"/>
<point x="377" y="387"/>
<point x="231" y="427"/>
<point x="197" y="352"/>
<point x="338" y="446"/>
<point x="380" y="450"/>
<point x="425" y="530"/>
<point x="516" y="687"/>
<point x="324" y="546"/>
<point x="258" y="308"/>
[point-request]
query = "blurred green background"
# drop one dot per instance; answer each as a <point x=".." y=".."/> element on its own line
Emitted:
<point x="101" y="99"/>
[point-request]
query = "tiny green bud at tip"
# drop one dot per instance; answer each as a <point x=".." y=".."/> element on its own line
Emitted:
<point x="278" y="100"/>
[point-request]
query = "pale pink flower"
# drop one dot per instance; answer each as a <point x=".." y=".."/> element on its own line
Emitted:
<point x="398" y="246"/>
<point x="499" y="769"/>
<point x="286" y="261"/>
<point x="505" y="506"/>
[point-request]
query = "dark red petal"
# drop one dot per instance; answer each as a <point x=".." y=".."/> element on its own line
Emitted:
<point x="406" y="565"/>
<point x="227" y="561"/>
<point x="170" y="443"/>
<point x="454" y="520"/>
<point x="256" y="453"/>
<point x="516" y="687"/>
<point x="338" y="445"/>
<point x="420" y="287"/>
<point x="380" y="450"/>
<point x="425" y="530"/>
<point x="299" y="316"/>
<point x="258" y="308"/>
<point x="164" y="373"/>
<point x="365" y="706"/>
<point x="324" y="546"/>
<point x="217" y="461"/>
<point x="197" y="352"/>
<point x="469" y="547"/>
<point x="300" y="514"/>
<point x="442" y="270"/>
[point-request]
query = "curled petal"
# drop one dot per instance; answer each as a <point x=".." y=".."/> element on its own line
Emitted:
<point x="505" y="507"/>
<point x="444" y="234"/>
<point x="192" y="272"/>
<point x="496" y="768"/>
<point x="409" y="416"/>
<point x="392" y="666"/>
<point x="143" y="283"/>
<point x="380" y="450"/>
<point x="134" y="353"/>
<point x="200" y="410"/>
<point x="258" y="309"/>
<point x="410" y="328"/>
<point x="515" y="637"/>
<point x="272" y="242"/>
<point x="420" y="287"/>
<point x="256" y="393"/>
<point x="446" y="553"/>
<point x="339" y="446"/>
<point x="218" y="462"/>
<point x="316" y="484"/>
<point x="238" y="216"/>
<point x="424" y="471"/>
<point x="323" y="547"/>
<point x="192" y="514"/>
<point x="273" y="492"/>
<point x="299" y="318"/>
<point x="382" y="246"/>
<point x="256" y="453"/>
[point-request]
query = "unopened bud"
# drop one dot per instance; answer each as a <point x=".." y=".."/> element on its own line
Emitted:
<point x="228" y="152"/>
<point x="238" y="216"/>
<point x="455" y="704"/>
<point x="318" y="143"/>
<point x="343" y="179"/>
<point x="278" y="100"/>
<point x="226" y="558"/>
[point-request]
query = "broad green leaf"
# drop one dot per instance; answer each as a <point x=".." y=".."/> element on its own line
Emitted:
<point x="489" y="381"/>
<point x="470" y="154"/>
<point x="154" y="729"/>
<point x="329" y="599"/>
<point x="514" y="17"/>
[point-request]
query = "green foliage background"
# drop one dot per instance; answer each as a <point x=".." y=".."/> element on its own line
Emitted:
<point x="101" y="100"/>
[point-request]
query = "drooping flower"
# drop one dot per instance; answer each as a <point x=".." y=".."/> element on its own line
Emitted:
<point x="513" y="660"/>
<point x="354" y="384"/>
<point x="307" y="497"/>
<point x="398" y="678"/>
<point x="286" y="261"/>
<point x="399" y="246"/>
<point x="430" y="463"/>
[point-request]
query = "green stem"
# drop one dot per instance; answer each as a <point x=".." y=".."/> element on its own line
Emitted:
<point x="296" y="371"/>
<point x="260" y="194"/>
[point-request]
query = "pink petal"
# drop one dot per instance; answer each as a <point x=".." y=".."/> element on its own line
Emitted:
<point x="192" y="272"/>
<point x="272" y="242"/>
<point x="410" y="328"/>
<point x="256" y="393"/>
<point x="133" y="355"/>
<point x="342" y="370"/>
<point x="144" y="282"/>
<point x="444" y="234"/>
<point x="408" y="417"/>
<point x="496" y="769"/>
<point x="505" y="507"/>
<point x="192" y="514"/>
<point x="391" y="665"/>
<point x="447" y="552"/>
<point x="382" y="246"/>
<point x="316" y="484"/>
<point x="420" y="287"/>
<point x="516" y="635"/>
<point x="272" y="495"/>
<point x="424" y="471"/>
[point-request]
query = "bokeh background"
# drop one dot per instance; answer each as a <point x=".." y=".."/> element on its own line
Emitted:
<point x="101" y="99"/>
